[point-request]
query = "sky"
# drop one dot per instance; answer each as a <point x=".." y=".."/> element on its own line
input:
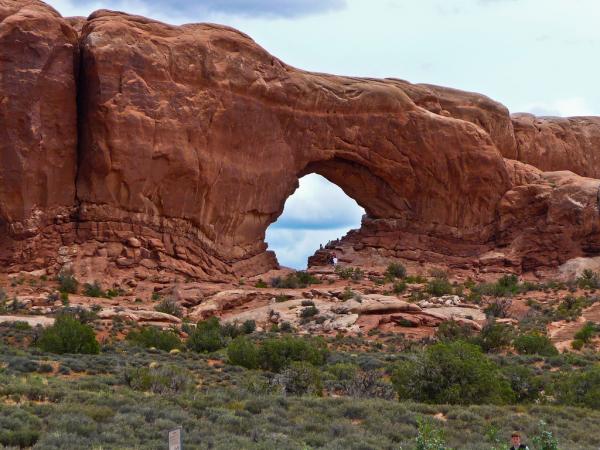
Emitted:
<point x="538" y="56"/>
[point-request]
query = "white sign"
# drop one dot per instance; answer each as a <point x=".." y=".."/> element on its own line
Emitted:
<point x="175" y="439"/>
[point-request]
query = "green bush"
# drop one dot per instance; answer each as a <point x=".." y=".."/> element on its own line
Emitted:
<point x="277" y="353"/>
<point x="523" y="381"/>
<point x="249" y="327"/>
<point x="438" y="287"/>
<point x="309" y="311"/>
<point x="586" y="332"/>
<point x="160" y="380"/>
<point x="206" y="337"/>
<point x="453" y="331"/>
<point x="395" y="270"/>
<point x="93" y="290"/>
<point x="67" y="282"/>
<point x="577" y="344"/>
<point x="154" y="337"/>
<point x="506" y="286"/>
<point x="498" y="308"/>
<point x="545" y="440"/>
<point x="399" y="287"/>
<point x="68" y="335"/>
<point x="168" y="305"/>
<point x="580" y="388"/>
<point x="494" y="337"/>
<point x="299" y="378"/>
<point x="243" y="352"/>
<point x="589" y="280"/>
<point x="455" y="373"/>
<point x="429" y="437"/>
<point x="294" y="280"/>
<point x="534" y="344"/>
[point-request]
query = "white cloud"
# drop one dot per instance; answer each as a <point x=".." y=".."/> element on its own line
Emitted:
<point x="294" y="246"/>
<point x="319" y="204"/>
<point x="319" y="211"/>
<point x="575" y="106"/>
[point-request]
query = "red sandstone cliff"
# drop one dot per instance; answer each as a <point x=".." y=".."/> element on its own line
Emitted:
<point x="191" y="139"/>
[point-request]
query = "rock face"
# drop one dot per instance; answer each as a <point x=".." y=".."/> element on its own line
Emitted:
<point x="557" y="143"/>
<point x="38" y="126"/>
<point x="191" y="139"/>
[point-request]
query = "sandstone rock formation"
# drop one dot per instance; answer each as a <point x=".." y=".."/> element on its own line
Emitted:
<point x="191" y="138"/>
<point x="38" y="128"/>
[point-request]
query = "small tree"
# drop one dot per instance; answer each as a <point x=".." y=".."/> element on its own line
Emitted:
<point x="395" y="270"/>
<point x="300" y="378"/>
<point x="242" y="352"/>
<point x="68" y="335"/>
<point x="206" y="337"/>
<point x="67" y="282"/>
<point x="168" y="305"/>
<point x="154" y="337"/>
<point x="534" y="344"/>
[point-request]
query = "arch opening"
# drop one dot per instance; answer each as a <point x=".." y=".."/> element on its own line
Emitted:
<point x="317" y="212"/>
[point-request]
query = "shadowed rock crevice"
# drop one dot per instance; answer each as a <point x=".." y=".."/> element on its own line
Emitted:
<point x="174" y="148"/>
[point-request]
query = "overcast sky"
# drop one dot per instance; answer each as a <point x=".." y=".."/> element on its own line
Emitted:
<point x="540" y="56"/>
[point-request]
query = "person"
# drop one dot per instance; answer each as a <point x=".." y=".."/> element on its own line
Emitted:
<point x="515" y="438"/>
<point x="334" y="260"/>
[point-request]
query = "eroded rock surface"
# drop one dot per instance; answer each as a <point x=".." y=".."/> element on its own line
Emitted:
<point x="191" y="138"/>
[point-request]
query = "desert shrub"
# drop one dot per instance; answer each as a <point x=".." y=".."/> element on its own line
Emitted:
<point x="345" y="273"/>
<point x="570" y="308"/>
<point x="506" y="286"/>
<point x="523" y="381"/>
<point x="20" y="438"/>
<point x="154" y="337"/>
<point x="428" y="436"/>
<point x="294" y="280"/>
<point x="160" y="380"/>
<point x="243" y="352"/>
<point x="453" y="331"/>
<point x="370" y="384"/>
<point x="68" y="335"/>
<point x="586" y="332"/>
<point x="307" y="303"/>
<point x="277" y="353"/>
<point x="399" y="287"/>
<point x="579" y="388"/>
<point x="544" y="440"/>
<point x="80" y="313"/>
<point x="395" y="270"/>
<point x="534" y="344"/>
<point x="438" y="287"/>
<point x="309" y="311"/>
<point x="347" y="294"/>
<point x="282" y="298"/>
<point x="494" y="337"/>
<point x="498" y="308"/>
<point x="588" y="280"/>
<point x="260" y="284"/>
<point x="343" y="371"/>
<point x="455" y="373"/>
<point x="577" y="344"/>
<point x="67" y="282"/>
<point x="21" y="326"/>
<point x="206" y="337"/>
<point x="168" y="305"/>
<point x="285" y="327"/>
<point x="249" y="326"/>
<point x="299" y="378"/>
<point x="93" y="290"/>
